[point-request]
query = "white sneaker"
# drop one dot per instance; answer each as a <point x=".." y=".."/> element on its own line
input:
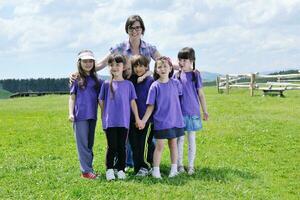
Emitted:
<point x="181" y="169"/>
<point x="110" y="175"/>
<point x="143" y="172"/>
<point x="121" y="174"/>
<point x="156" y="174"/>
<point x="173" y="174"/>
<point x="191" y="170"/>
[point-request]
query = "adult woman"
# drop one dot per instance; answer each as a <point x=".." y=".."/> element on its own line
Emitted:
<point x="135" y="29"/>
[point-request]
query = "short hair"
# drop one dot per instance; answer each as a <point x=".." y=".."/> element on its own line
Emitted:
<point x="130" y="21"/>
<point x="139" y="60"/>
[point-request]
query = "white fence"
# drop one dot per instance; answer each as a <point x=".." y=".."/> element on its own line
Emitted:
<point x="274" y="84"/>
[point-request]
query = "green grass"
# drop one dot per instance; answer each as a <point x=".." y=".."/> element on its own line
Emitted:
<point x="4" y="94"/>
<point x="249" y="149"/>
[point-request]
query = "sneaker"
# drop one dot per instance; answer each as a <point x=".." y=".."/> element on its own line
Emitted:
<point x="110" y="175"/>
<point x="156" y="174"/>
<point x="191" y="170"/>
<point x="89" y="175"/>
<point x="181" y="169"/>
<point x="121" y="174"/>
<point x="173" y="174"/>
<point x="143" y="172"/>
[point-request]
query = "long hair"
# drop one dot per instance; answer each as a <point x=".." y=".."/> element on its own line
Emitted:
<point x="187" y="53"/>
<point x="162" y="60"/>
<point x="82" y="76"/>
<point x="117" y="58"/>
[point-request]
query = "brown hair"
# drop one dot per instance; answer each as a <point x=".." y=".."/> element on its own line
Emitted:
<point x="162" y="59"/>
<point x="118" y="58"/>
<point x="130" y="21"/>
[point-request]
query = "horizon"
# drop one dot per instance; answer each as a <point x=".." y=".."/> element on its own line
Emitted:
<point x="41" y="39"/>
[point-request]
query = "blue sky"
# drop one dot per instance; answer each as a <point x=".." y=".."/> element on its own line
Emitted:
<point x="42" y="38"/>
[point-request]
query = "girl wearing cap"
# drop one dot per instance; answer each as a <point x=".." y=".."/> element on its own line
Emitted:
<point x="83" y="103"/>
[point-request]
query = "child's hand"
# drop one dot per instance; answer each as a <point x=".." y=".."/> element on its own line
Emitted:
<point x="140" y="79"/>
<point x="140" y="124"/>
<point x="205" y="116"/>
<point x="73" y="77"/>
<point x="71" y="118"/>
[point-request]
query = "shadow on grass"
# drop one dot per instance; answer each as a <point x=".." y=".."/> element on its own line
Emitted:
<point x="222" y="175"/>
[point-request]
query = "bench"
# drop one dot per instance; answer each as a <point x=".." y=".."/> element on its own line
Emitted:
<point x="273" y="91"/>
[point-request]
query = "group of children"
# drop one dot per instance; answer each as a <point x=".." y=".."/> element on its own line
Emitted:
<point x="161" y="107"/>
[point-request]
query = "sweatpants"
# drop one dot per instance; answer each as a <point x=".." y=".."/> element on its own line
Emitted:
<point x="84" y="135"/>
<point x="116" y="147"/>
<point x="142" y="145"/>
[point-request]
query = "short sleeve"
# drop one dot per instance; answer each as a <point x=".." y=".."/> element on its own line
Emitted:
<point x="151" y="95"/>
<point x="74" y="87"/>
<point x="199" y="83"/>
<point x="179" y="87"/>
<point x="153" y="50"/>
<point x="116" y="49"/>
<point x="132" y="91"/>
<point x="102" y="93"/>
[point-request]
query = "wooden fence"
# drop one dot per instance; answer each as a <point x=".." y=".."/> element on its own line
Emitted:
<point x="275" y="84"/>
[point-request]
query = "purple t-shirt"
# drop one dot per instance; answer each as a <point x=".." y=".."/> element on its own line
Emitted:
<point x="165" y="98"/>
<point x="142" y="90"/>
<point x="190" y="101"/>
<point x="86" y="102"/>
<point x="117" y="107"/>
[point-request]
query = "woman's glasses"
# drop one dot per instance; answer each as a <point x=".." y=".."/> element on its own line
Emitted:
<point x="136" y="28"/>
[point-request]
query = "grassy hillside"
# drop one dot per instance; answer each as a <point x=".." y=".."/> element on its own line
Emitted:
<point x="4" y="94"/>
<point x="248" y="150"/>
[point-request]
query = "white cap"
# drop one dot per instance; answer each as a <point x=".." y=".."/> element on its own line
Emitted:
<point x="86" y="54"/>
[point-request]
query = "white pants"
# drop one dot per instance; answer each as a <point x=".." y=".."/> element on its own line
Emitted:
<point x="191" y="151"/>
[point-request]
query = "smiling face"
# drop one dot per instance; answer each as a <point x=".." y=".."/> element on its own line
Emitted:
<point x="139" y="70"/>
<point x="135" y="30"/>
<point x="116" y="69"/>
<point x="186" y="64"/>
<point x="87" y="65"/>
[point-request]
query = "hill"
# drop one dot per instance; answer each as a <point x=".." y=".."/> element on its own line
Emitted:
<point x="4" y="94"/>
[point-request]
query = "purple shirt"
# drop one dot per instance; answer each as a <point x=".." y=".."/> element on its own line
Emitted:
<point x="117" y="108"/>
<point x="165" y="98"/>
<point x="124" y="48"/>
<point x="141" y="90"/>
<point x="190" y="101"/>
<point x="86" y="102"/>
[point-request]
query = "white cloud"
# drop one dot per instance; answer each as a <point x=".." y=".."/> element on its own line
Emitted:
<point x="249" y="34"/>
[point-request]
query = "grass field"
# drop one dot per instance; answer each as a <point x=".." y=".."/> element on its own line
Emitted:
<point x="249" y="149"/>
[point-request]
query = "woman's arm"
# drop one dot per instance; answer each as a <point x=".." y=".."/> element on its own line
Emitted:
<point x="102" y="63"/>
<point x="203" y="103"/>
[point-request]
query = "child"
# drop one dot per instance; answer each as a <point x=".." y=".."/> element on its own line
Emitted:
<point x="116" y="97"/>
<point x="141" y="140"/>
<point x="163" y="101"/>
<point x="83" y="110"/>
<point x="192" y="97"/>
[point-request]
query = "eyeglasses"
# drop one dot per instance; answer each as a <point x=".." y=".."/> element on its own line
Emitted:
<point x="136" y="28"/>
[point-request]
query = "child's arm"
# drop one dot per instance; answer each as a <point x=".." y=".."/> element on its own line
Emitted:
<point x="203" y="103"/>
<point x="101" y="105"/>
<point x="71" y="107"/>
<point x="142" y="78"/>
<point x="136" y="114"/>
<point x="148" y="113"/>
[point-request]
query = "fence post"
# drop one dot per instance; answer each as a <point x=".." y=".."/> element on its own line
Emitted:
<point x="252" y="81"/>
<point x="218" y="83"/>
<point x="227" y="84"/>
